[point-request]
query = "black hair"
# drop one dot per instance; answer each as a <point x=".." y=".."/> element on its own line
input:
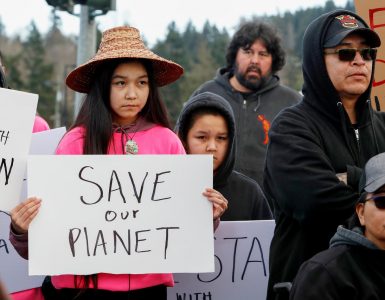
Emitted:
<point x="247" y="34"/>
<point x="354" y="221"/>
<point x="191" y="118"/>
<point x="95" y="112"/>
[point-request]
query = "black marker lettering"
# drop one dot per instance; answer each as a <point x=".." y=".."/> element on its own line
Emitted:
<point x="7" y="172"/>
<point x="119" y="188"/>
<point x="100" y="189"/>
<point x="166" y="238"/>
<point x="155" y="184"/>
<point x="138" y="197"/>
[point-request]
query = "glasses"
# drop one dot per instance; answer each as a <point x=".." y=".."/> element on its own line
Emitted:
<point x="348" y="54"/>
<point x="379" y="200"/>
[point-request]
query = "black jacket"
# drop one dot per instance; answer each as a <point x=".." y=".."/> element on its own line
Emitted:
<point x="246" y="199"/>
<point x="253" y="116"/>
<point x="352" y="268"/>
<point x="310" y="143"/>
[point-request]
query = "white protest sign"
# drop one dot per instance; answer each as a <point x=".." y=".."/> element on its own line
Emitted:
<point x="14" y="269"/>
<point x="121" y="214"/>
<point x="17" y="115"/>
<point x="241" y="265"/>
<point x="45" y="142"/>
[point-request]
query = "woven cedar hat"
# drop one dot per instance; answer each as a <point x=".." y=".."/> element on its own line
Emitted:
<point x="122" y="42"/>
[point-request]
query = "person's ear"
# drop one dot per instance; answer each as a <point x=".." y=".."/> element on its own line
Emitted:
<point x="360" y="208"/>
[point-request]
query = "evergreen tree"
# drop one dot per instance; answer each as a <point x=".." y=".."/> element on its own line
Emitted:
<point x="39" y="75"/>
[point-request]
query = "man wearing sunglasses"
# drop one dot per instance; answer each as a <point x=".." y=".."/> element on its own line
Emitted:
<point x="353" y="266"/>
<point x="318" y="147"/>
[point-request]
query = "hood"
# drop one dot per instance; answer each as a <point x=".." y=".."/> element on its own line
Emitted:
<point x="208" y="99"/>
<point x="223" y="76"/>
<point x="318" y="89"/>
<point x="354" y="237"/>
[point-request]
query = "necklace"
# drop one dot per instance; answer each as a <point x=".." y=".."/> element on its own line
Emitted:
<point x="131" y="146"/>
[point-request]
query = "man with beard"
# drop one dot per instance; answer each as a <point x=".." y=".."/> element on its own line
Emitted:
<point x="250" y="84"/>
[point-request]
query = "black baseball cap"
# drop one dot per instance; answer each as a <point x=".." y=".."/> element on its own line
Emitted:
<point x="345" y="24"/>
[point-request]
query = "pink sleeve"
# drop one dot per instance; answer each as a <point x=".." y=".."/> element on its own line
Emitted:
<point x="19" y="242"/>
<point x="72" y="142"/>
<point x="31" y="294"/>
<point x="40" y="124"/>
<point x="216" y="223"/>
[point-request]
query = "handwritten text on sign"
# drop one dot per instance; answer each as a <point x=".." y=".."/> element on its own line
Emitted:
<point x="373" y="12"/>
<point x="15" y="137"/>
<point x="14" y="268"/>
<point x="241" y="265"/>
<point x="121" y="214"/>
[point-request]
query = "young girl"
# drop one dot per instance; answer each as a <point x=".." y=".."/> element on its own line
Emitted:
<point x="206" y="126"/>
<point x="121" y="114"/>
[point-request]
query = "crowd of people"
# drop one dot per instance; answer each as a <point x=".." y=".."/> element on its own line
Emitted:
<point x="312" y="161"/>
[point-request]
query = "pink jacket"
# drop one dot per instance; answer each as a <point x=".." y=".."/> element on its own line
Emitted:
<point x="40" y="124"/>
<point x="156" y="140"/>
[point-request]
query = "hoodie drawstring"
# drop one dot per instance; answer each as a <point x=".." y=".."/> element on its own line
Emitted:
<point x="378" y="108"/>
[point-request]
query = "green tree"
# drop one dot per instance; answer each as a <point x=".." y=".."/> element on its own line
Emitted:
<point x="38" y="74"/>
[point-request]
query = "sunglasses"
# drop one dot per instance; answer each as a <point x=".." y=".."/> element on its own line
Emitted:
<point x="348" y="54"/>
<point x="379" y="200"/>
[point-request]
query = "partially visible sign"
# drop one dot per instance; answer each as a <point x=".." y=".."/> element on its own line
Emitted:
<point x="121" y="214"/>
<point x="17" y="115"/>
<point x="14" y="269"/>
<point x="373" y="12"/>
<point x="241" y="265"/>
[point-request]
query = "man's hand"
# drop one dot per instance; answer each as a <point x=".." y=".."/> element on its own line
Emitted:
<point x="343" y="177"/>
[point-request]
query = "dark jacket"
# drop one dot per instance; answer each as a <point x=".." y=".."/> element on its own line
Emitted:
<point x="310" y="143"/>
<point x="245" y="197"/>
<point x="352" y="268"/>
<point x="253" y="116"/>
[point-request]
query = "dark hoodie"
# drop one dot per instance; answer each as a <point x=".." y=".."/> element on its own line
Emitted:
<point x="310" y="143"/>
<point x="352" y="268"/>
<point x="245" y="197"/>
<point x="253" y="114"/>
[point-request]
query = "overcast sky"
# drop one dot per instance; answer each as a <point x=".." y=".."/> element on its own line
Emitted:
<point x="151" y="17"/>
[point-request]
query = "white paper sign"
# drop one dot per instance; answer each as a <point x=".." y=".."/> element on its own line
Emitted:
<point x="17" y="115"/>
<point x="241" y="265"/>
<point x="121" y="214"/>
<point x="14" y="269"/>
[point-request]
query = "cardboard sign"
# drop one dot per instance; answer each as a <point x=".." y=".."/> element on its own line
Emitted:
<point x="121" y="214"/>
<point x="373" y="12"/>
<point x="17" y="115"/>
<point x="241" y="265"/>
<point x="14" y="269"/>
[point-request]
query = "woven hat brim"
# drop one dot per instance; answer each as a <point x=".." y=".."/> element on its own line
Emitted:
<point x="165" y="71"/>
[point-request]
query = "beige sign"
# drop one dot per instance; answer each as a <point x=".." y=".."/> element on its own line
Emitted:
<point x="373" y="12"/>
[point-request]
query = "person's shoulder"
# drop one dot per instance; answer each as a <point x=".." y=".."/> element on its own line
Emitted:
<point x="289" y="93"/>
<point x="329" y="256"/>
<point x="72" y="142"/>
<point x="248" y="184"/>
<point x="75" y="132"/>
<point x="291" y="113"/>
<point x="40" y="124"/>
<point x="207" y="86"/>
<point x="158" y="129"/>
<point x="165" y="138"/>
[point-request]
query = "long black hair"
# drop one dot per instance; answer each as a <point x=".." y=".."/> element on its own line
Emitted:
<point x="247" y="34"/>
<point x="95" y="112"/>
